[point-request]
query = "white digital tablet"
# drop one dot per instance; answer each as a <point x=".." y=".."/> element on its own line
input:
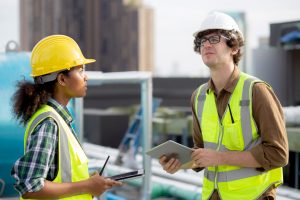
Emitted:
<point x="172" y="149"/>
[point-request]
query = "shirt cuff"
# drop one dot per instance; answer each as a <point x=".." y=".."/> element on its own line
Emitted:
<point x="258" y="154"/>
<point x="31" y="185"/>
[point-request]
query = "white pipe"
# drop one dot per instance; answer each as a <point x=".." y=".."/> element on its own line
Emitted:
<point x="146" y="96"/>
<point x="100" y="153"/>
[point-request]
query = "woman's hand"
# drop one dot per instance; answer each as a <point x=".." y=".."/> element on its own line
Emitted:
<point x="99" y="184"/>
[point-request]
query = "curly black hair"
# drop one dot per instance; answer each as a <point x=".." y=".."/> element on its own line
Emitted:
<point x="30" y="96"/>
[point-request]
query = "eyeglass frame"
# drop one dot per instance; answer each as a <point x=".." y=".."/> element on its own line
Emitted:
<point x="200" y="41"/>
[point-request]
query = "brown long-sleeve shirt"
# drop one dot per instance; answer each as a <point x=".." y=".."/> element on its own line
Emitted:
<point x="268" y="115"/>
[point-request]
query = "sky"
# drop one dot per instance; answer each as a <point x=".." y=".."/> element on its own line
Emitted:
<point x="9" y="22"/>
<point x="174" y="23"/>
<point x="177" y="20"/>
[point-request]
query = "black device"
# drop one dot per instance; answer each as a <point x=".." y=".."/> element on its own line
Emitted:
<point x="128" y="175"/>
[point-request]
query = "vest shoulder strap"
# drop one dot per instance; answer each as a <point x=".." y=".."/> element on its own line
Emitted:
<point x="200" y="99"/>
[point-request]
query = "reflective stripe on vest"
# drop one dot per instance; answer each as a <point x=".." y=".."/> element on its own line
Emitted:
<point x="231" y="175"/>
<point x="211" y="145"/>
<point x="245" y="112"/>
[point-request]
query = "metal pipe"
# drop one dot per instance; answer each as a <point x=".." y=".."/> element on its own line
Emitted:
<point x="146" y="96"/>
<point x="78" y="105"/>
<point x="183" y="176"/>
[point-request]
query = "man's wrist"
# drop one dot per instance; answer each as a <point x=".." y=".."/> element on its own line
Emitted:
<point x="220" y="158"/>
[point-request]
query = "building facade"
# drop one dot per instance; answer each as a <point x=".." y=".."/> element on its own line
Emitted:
<point x="117" y="33"/>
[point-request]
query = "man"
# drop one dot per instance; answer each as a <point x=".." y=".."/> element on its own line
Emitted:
<point x="239" y="130"/>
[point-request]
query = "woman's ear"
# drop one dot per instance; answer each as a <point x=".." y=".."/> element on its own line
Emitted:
<point x="61" y="79"/>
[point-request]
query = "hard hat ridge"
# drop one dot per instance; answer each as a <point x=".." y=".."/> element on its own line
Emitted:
<point x="218" y="20"/>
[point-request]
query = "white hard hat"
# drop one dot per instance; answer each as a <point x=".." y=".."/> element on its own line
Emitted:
<point x="218" y="20"/>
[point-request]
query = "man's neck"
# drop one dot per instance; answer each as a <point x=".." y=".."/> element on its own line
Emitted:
<point x="220" y="76"/>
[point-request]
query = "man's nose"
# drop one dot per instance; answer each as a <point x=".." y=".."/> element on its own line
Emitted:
<point x="206" y="42"/>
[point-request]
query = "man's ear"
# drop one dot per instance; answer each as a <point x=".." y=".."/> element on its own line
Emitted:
<point x="61" y="79"/>
<point x="235" y="51"/>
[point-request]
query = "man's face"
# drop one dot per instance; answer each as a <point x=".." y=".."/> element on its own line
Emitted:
<point x="214" y="50"/>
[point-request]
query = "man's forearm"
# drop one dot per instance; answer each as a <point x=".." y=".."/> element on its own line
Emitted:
<point x="237" y="158"/>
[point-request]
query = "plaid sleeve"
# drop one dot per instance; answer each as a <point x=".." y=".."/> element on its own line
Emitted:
<point x="33" y="167"/>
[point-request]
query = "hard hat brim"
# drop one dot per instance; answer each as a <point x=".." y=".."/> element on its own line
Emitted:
<point x="89" y="60"/>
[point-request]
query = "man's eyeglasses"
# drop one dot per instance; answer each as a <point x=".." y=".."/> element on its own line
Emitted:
<point x="214" y="39"/>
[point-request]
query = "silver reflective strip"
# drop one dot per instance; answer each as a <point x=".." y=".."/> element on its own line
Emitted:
<point x="201" y="100"/>
<point x="231" y="175"/>
<point x="66" y="171"/>
<point x="211" y="145"/>
<point x="245" y="113"/>
<point x="253" y="144"/>
<point x="37" y="120"/>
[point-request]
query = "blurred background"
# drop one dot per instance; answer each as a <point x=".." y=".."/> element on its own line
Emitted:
<point x="168" y="25"/>
<point x="155" y="37"/>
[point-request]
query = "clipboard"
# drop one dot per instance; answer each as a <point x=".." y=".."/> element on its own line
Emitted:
<point x="128" y="175"/>
<point x="172" y="149"/>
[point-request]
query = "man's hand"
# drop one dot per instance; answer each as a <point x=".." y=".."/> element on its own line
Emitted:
<point x="206" y="157"/>
<point x="170" y="165"/>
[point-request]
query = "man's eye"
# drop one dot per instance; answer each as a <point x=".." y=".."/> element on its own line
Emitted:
<point x="202" y="41"/>
<point x="214" y="39"/>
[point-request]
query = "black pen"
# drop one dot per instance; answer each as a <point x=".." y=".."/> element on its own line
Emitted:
<point x="100" y="173"/>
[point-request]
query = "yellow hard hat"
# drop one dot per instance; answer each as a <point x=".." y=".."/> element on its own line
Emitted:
<point x="56" y="53"/>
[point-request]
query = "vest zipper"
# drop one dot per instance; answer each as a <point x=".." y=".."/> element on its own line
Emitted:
<point x="219" y="144"/>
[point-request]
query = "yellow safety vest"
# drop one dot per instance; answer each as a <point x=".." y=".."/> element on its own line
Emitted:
<point x="236" y="131"/>
<point x="72" y="161"/>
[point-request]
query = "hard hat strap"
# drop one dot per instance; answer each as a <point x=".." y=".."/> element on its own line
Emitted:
<point x="46" y="78"/>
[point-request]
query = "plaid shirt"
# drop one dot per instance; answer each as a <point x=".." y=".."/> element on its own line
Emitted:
<point x="41" y="157"/>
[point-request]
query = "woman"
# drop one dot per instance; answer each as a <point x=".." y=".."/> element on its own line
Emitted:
<point x="54" y="165"/>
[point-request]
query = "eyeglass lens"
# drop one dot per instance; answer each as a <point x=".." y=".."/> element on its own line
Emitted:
<point x="214" y="39"/>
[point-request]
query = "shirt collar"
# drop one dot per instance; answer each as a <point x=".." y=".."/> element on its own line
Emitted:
<point x="62" y="110"/>
<point x="231" y="83"/>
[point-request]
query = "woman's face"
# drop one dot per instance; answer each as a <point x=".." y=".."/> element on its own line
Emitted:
<point x="76" y="82"/>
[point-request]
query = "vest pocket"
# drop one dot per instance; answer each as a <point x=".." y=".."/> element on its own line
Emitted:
<point x="233" y="138"/>
<point x="210" y="129"/>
